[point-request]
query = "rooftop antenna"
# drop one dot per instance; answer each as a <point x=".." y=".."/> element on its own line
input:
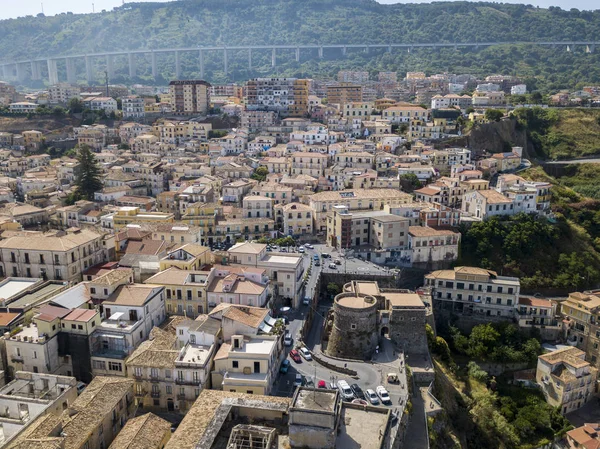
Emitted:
<point x="93" y="10"/>
<point x="42" y="8"/>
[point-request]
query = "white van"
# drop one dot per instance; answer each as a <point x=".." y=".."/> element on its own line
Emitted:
<point x="345" y="390"/>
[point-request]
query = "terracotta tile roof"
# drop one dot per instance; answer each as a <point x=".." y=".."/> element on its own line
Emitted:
<point x="148" y="247"/>
<point x="571" y="356"/>
<point x="534" y="302"/>
<point x="492" y="196"/>
<point x="49" y="313"/>
<point x="144" y="432"/>
<point x="422" y="231"/>
<point x="81" y="315"/>
<point x="240" y="285"/>
<point x="157" y="352"/>
<point x="586" y="436"/>
<point x="113" y="276"/>
<point x="51" y="241"/>
<point x="7" y="317"/>
<point x="250" y="316"/>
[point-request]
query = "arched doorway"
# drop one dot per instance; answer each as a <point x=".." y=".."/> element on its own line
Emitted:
<point x="385" y="331"/>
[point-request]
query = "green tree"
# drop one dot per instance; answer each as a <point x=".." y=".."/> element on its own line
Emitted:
<point x="482" y="340"/>
<point x="333" y="289"/>
<point x="409" y="182"/>
<point x="494" y="115"/>
<point x="260" y="174"/>
<point x="88" y="178"/>
<point x="57" y="111"/>
<point x="75" y="106"/>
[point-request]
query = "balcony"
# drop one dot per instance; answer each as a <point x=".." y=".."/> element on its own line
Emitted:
<point x="155" y="394"/>
<point x="154" y="379"/>
<point x="187" y="382"/>
<point x="181" y="397"/>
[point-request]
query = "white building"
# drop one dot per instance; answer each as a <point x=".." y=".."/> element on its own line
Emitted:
<point x="61" y="93"/>
<point x="519" y="89"/>
<point x="133" y="107"/>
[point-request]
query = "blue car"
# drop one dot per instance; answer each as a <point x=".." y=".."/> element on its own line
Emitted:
<point x="316" y="257"/>
<point x="285" y="366"/>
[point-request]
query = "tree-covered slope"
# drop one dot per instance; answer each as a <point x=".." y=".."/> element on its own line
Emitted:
<point x="230" y="22"/>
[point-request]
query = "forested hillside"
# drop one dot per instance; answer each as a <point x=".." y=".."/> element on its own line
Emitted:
<point x="233" y="22"/>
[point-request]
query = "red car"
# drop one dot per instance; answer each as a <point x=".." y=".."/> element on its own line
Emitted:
<point x="322" y="384"/>
<point x="295" y="356"/>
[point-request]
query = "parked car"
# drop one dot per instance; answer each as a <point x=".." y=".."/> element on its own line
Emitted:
<point x="301" y="250"/>
<point x="392" y="378"/>
<point x="80" y="387"/>
<point x="317" y="263"/>
<point x="285" y="366"/>
<point x="337" y="262"/>
<point x="304" y="352"/>
<point x="372" y="397"/>
<point x="295" y="356"/>
<point x="309" y="246"/>
<point x="322" y="384"/>
<point x="316" y="257"/>
<point x="325" y="256"/>
<point x="383" y="395"/>
<point x="357" y="391"/>
<point x="345" y="390"/>
<point x="298" y="380"/>
<point x="332" y="266"/>
<point x="287" y="339"/>
<point x="306" y="300"/>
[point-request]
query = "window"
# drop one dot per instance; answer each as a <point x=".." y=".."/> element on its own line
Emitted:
<point x="498" y="300"/>
<point x="235" y="364"/>
<point x="169" y="388"/>
<point x="154" y="373"/>
<point x="499" y="289"/>
<point x="92" y="290"/>
<point x="353" y="326"/>
<point x="115" y="366"/>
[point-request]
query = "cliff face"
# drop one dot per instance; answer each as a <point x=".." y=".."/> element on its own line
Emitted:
<point x="497" y="137"/>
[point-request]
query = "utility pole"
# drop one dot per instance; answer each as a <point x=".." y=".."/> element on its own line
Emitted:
<point x="93" y="10"/>
<point x="106" y="82"/>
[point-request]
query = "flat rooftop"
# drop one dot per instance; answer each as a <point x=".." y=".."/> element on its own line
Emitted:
<point x="361" y="428"/>
<point x="318" y="400"/>
<point x="404" y="300"/>
<point x="355" y="302"/>
<point x="195" y="354"/>
<point x="37" y="296"/>
<point x="11" y="287"/>
<point x="256" y="346"/>
<point x="287" y="260"/>
<point x="368" y="288"/>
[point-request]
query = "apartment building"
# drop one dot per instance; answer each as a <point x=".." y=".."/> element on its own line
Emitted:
<point x="541" y="314"/>
<point x="295" y="218"/>
<point x="247" y="286"/>
<point x="344" y="93"/>
<point x="133" y="107"/>
<point x="106" y="104"/>
<point x="566" y="379"/>
<point x="256" y="121"/>
<point x="255" y="206"/>
<point x="444" y="160"/>
<point x="189" y="96"/>
<point x="185" y="291"/>
<point x="482" y="204"/>
<point x="92" y="420"/>
<point x="286" y="96"/>
<point x="312" y="164"/>
<point x="355" y="200"/>
<point x="58" y="255"/>
<point x="30" y="396"/>
<point x="168" y="377"/>
<point x="404" y="114"/>
<point x="248" y="364"/>
<point x="432" y="247"/>
<point x="352" y="76"/>
<point x="283" y="269"/>
<point x="585" y="436"/>
<point x="187" y="257"/>
<point x="582" y="323"/>
<point x="472" y="291"/>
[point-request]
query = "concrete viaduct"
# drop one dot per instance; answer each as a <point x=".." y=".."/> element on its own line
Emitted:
<point x="47" y="68"/>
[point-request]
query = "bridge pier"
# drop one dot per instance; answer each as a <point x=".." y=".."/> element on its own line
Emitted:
<point x="71" y="74"/>
<point x="344" y="50"/>
<point x="35" y="70"/>
<point x="297" y="54"/>
<point x="389" y="49"/>
<point x="110" y="66"/>
<point x="225" y="62"/>
<point x="273" y="58"/>
<point x="367" y="48"/>
<point x="154" y="66"/>
<point x="592" y="48"/>
<point x="89" y="76"/>
<point x="201" y="63"/>
<point x="20" y="71"/>
<point x="52" y="72"/>
<point x="249" y="59"/>
<point x="4" y="72"/>
<point x="177" y="66"/>
<point x="321" y="52"/>
<point x="132" y="68"/>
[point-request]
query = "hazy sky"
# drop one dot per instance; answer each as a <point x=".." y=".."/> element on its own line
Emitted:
<point x="16" y="8"/>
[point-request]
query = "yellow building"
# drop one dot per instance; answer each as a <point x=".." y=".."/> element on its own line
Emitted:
<point x="566" y="379"/>
<point x="32" y="139"/>
<point x="295" y="218"/>
<point x="189" y="96"/>
<point x="405" y="114"/>
<point x="187" y="257"/>
<point x="582" y="316"/>
<point x="247" y="364"/>
<point x="203" y="215"/>
<point x="185" y="291"/>
<point x="127" y="215"/>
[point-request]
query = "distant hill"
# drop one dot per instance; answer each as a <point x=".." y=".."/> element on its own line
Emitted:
<point x="193" y="23"/>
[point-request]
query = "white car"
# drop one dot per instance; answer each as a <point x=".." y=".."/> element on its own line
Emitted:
<point x="300" y="250"/>
<point x="372" y="397"/>
<point x="287" y="340"/>
<point x="332" y="266"/>
<point x="383" y="395"/>
<point x="298" y="380"/>
<point x="304" y="352"/>
<point x="309" y="246"/>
